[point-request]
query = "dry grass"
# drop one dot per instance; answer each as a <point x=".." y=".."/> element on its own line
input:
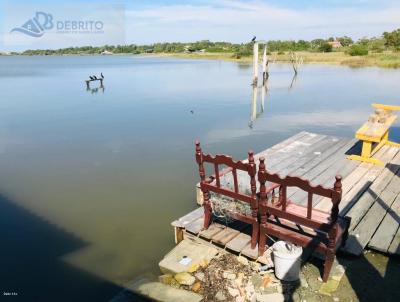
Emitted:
<point x="385" y="59"/>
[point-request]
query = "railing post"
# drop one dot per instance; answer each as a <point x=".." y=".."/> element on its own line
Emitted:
<point x="332" y="235"/>
<point x="262" y="207"/>
<point x="254" y="205"/>
<point x="206" y="194"/>
<point x="336" y="199"/>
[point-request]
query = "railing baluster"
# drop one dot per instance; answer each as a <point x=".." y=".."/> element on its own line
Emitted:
<point x="283" y="188"/>
<point x="216" y="171"/>
<point x="262" y="207"/>
<point x="309" y="205"/>
<point x="206" y="194"/>
<point x="235" y="181"/>
<point x="254" y="203"/>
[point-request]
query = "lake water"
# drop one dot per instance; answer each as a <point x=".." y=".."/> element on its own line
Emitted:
<point x="90" y="180"/>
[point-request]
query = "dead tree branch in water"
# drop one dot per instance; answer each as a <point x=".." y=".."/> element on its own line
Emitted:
<point x="296" y="61"/>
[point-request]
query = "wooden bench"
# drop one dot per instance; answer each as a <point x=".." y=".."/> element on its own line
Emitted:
<point x="375" y="133"/>
<point x="304" y="226"/>
<point x="213" y="184"/>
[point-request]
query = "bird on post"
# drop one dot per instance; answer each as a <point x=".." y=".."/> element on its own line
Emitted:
<point x="90" y="77"/>
<point x="254" y="39"/>
<point x="95" y="78"/>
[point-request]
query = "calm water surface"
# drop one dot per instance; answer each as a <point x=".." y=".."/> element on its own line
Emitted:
<point x="90" y="181"/>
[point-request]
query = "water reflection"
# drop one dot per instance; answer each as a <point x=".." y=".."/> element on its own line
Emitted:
<point x="293" y="82"/>
<point x="255" y="111"/>
<point x="95" y="90"/>
<point x="244" y="66"/>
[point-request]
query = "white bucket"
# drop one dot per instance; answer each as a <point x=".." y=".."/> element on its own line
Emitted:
<point x="287" y="260"/>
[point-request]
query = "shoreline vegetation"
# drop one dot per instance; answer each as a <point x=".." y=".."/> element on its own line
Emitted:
<point x="385" y="60"/>
<point x="383" y="51"/>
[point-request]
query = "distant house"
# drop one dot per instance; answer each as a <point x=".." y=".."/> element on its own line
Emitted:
<point x="335" y="44"/>
<point x="106" y="52"/>
<point x="188" y="48"/>
<point x="149" y="50"/>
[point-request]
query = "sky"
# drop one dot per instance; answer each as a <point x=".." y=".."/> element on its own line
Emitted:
<point x="146" y="22"/>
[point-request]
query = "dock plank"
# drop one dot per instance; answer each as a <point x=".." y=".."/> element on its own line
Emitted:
<point x="195" y="226"/>
<point x="394" y="247"/>
<point x="340" y="166"/>
<point x="249" y="252"/>
<point x="365" y="202"/>
<point x="394" y="185"/>
<point x="238" y="243"/>
<point x="295" y="149"/>
<point x="190" y="217"/>
<point x="313" y="154"/>
<point x="313" y="170"/>
<point x="283" y="143"/>
<point x="310" y="163"/>
<point x="307" y="149"/>
<point x="286" y="144"/>
<point x="316" y="173"/>
<point x="212" y="230"/>
<point x="286" y="154"/>
<point x="225" y="236"/>
<point x="387" y="229"/>
<point x="358" y="182"/>
<point x="361" y="235"/>
<point x="365" y="182"/>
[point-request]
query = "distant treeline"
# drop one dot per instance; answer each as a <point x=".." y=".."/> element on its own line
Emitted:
<point x="388" y="40"/>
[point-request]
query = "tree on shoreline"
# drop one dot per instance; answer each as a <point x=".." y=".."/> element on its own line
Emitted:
<point x="388" y="40"/>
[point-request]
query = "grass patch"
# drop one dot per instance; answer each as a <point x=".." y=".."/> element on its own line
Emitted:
<point x="385" y="59"/>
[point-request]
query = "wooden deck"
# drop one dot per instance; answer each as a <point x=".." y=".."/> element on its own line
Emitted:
<point x="370" y="194"/>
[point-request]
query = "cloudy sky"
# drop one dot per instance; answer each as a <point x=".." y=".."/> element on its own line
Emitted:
<point x="148" y="21"/>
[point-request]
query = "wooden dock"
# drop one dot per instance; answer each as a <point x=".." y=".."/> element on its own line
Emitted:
<point x="370" y="194"/>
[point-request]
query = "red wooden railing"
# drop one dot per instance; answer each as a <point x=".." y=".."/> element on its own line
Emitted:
<point x="305" y="216"/>
<point x="213" y="184"/>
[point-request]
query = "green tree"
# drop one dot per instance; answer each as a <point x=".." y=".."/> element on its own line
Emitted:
<point x="345" y="41"/>
<point x="358" y="50"/>
<point x="392" y="39"/>
<point x="325" y="47"/>
<point x="376" y="44"/>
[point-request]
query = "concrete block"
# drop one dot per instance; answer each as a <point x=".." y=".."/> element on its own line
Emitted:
<point x="164" y="293"/>
<point x="195" y="254"/>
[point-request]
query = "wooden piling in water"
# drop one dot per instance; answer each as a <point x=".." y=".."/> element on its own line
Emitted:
<point x="88" y="83"/>
<point x="254" y="104"/>
<point x="255" y="63"/>
<point x="265" y="64"/>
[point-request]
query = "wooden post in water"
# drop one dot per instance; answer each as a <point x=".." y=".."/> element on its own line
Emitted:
<point x="264" y="90"/>
<point x="265" y="64"/>
<point x="87" y="85"/>
<point x="255" y="63"/>
<point x="254" y="104"/>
